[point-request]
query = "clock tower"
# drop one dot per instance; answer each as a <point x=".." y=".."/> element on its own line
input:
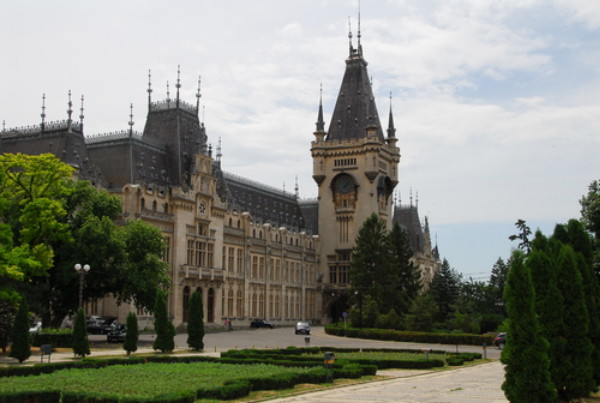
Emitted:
<point x="355" y="168"/>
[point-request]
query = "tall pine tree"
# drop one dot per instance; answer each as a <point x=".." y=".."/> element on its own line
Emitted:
<point x="81" y="345"/>
<point x="445" y="287"/>
<point x="21" y="348"/>
<point x="409" y="276"/>
<point x="196" y="322"/>
<point x="527" y="366"/>
<point x="163" y="327"/>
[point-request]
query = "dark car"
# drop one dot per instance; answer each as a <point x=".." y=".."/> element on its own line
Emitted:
<point x="108" y="324"/>
<point x="117" y="334"/>
<point x="500" y="340"/>
<point x="261" y="323"/>
<point x="302" y="328"/>
<point x="94" y="325"/>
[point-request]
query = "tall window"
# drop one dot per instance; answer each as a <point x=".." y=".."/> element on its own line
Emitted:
<point x="230" y="260"/>
<point x="239" y="304"/>
<point x="230" y="303"/>
<point x="240" y="260"/>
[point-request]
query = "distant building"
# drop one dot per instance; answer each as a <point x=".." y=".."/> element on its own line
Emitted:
<point x="252" y="250"/>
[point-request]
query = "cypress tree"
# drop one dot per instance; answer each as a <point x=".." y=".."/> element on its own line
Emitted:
<point x="196" y="322"/>
<point x="21" y="347"/>
<point x="574" y="375"/>
<point x="131" y="337"/>
<point x="164" y="329"/>
<point x="549" y="302"/>
<point x="408" y="275"/>
<point x="81" y="346"/>
<point x="527" y="367"/>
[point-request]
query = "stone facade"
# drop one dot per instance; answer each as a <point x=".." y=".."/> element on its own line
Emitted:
<point x="253" y="251"/>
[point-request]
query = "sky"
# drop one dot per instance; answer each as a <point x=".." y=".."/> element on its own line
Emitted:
<point x="496" y="102"/>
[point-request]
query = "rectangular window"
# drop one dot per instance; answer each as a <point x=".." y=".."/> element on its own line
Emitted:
<point x="230" y="260"/>
<point x="240" y="260"/>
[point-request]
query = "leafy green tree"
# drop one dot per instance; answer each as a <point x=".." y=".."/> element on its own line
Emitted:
<point x="131" y="337"/>
<point x="81" y="346"/>
<point x="163" y="327"/>
<point x="574" y="375"/>
<point x="522" y="236"/>
<point x="409" y="276"/>
<point x="145" y="245"/>
<point x="196" y="322"/>
<point x="527" y="366"/>
<point x="21" y="347"/>
<point x="422" y="313"/>
<point x="445" y="288"/>
<point x="371" y="269"/>
<point x="390" y="320"/>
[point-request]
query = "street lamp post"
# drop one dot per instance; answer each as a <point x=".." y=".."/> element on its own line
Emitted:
<point x="81" y="270"/>
<point x="359" y="295"/>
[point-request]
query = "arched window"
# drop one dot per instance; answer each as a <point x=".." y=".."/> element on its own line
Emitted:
<point x="186" y="302"/>
<point x="166" y="208"/>
<point x="154" y="205"/>
<point x="230" y="303"/>
<point x="211" y="305"/>
<point x="143" y="203"/>
<point x="239" y="304"/>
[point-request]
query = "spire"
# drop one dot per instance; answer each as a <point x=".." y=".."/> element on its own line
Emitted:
<point x="219" y="155"/>
<point x="198" y="96"/>
<point x="351" y="49"/>
<point x="168" y="95"/>
<point x="70" y="112"/>
<point x="358" y="33"/>
<point x="355" y="108"/>
<point x="391" y="131"/>
<point x="131" y="122"/>
<point x="149" y="89"/>
<point x="81" y="116"/>
<point x="417" y="200"/>
<point x="43" y="115"/>
<point x="178" y="86"/>
<point x="411" y="198"/>
<point x="320" y="122"/>
<point x="296" y="189"/>
<point x="3" y="125"/>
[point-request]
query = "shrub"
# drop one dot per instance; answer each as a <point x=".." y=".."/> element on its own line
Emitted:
<point x="165" y="331"/>
<point x="196" y="322"/>
<point x="21" y="349"/>
<point x="131" y="337"/>
<point x="81" y="346"/>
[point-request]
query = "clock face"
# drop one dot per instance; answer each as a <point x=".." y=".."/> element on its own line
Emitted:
<point x="344" y="184"/>
<point x="202" y="208"/>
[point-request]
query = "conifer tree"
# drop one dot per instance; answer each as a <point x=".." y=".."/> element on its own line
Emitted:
<point x="573" y="377"/>
<point x="445" y="287"/>
<point x="371" y="271"/>
<point x="196" y="322"/>
<point x="409" y="275"/>
<point x="525" y="356"/>
<point x="131" y="337"/>
<point x="81" y="346"/>
<point x="549" y="302"/>
<point x="21" y="347"/>
<point x="163" y="327"/>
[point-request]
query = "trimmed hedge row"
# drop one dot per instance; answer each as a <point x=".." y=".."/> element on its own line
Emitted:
<point x="413" y="337"/>
<point x="58" y="338"/>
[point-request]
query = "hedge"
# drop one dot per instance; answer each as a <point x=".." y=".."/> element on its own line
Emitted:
<point x="412" y="337"/>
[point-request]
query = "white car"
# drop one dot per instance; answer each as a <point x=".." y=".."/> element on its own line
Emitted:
<point x="36" y="327"/>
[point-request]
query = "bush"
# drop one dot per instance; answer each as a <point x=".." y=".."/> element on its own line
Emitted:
<point x="81" y="346"/>
<point x="56" y="337"/>
<point x="21" y="349"/>
<point x="131" y="337"/>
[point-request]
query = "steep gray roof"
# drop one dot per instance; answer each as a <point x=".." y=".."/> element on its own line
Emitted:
<point x="355" y="107"/>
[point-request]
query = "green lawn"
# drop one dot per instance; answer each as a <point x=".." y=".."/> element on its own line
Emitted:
<point x="141" y="381"/>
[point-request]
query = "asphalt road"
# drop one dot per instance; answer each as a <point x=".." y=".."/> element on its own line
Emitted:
<point x="284" y="337"/>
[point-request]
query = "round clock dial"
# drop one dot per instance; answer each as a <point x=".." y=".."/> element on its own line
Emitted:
<point x="344" y="184"/>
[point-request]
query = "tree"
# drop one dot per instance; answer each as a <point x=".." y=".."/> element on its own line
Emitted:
<point x="196" y="322"/>
<point x="497" y="282"/>
<point x="131" y="337"/>
<point x="81" y="346"/>
<point x="525" y="356"/>
<point x="371" y="270"/>
<point x="522" y="236"/>
<point x="9" y="301"/>
<point x="164" y="329"/>
<point x="574" y="375"/>
<point x="21" y="348"/>
<point x="148" y="272"/>
<point x="422" y="313"/>
<point x="409" y="275"/>
<point x="445" y="289"/>
<point x="590" y="209"/>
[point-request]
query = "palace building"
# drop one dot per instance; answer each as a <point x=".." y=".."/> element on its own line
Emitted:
<point x="253" y="251"/>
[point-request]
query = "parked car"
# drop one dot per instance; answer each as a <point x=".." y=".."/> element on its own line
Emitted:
<point x="261" y="323"/>
<point x="500" y="340"/>
<point x="35" y="327"/>
<point x="302" y="328"/>
<point x="108" y="324"/>
<point x="117" y="334"/>
<point x="94" y="325"/>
